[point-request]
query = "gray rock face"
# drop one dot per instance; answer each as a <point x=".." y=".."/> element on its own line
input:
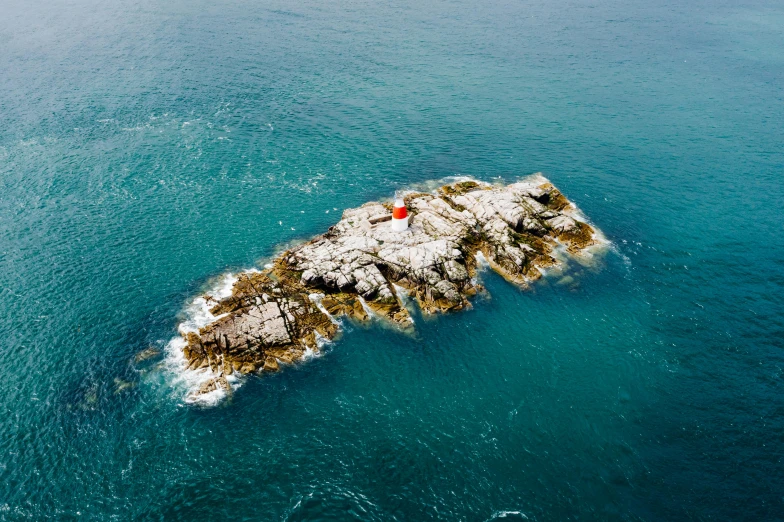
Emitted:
<point x="361" y="265"/>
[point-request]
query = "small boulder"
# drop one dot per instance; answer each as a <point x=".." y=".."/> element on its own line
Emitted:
<point x="271" y="365"/>
<point x="146" y="354"/>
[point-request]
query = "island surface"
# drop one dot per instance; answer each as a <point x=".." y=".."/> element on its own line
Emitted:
<point x="360" y="268"/>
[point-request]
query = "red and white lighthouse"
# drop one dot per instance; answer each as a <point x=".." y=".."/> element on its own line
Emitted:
<point x="399" y="215"/>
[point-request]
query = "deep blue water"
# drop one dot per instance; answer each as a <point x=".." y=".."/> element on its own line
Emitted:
<point x="147" y="148"/>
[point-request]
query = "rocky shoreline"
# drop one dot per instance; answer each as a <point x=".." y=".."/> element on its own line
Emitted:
<point x="360" y="267"/>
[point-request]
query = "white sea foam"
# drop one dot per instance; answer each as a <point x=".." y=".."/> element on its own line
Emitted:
<point x="481" y="261"/>
<point x="183" y="380"/>
<point x="616" y="250"/>
<point x="309" y="353"/>
<point x="368" y="310"/>
<point x="507" y="514"/>
<point x="197" y="315"/>
<point x="316" y="298"/>
<point x="321" y="344"/>
<point x="322" y="341"/>
<point x="400" y="290"/>
<point x="406" y="300"/>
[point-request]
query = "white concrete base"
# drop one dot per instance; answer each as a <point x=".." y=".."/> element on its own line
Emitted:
<point x="400" y="225"/>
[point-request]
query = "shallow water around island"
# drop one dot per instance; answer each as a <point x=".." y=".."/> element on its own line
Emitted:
<point x="146" y="150"/>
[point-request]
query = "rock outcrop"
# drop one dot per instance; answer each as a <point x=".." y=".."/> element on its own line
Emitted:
<point x="359" y="268"/>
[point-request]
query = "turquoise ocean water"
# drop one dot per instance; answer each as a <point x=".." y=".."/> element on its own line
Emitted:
<point x="147" y="148"/>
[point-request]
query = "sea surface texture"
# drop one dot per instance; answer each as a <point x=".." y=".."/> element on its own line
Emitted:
<point x="149" y="148"/>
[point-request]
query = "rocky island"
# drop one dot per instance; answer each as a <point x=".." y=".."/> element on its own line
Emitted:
<point x="360" y="268"/>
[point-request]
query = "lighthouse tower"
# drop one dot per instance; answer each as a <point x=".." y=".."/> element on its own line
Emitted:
<point x="399" y="215"/>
